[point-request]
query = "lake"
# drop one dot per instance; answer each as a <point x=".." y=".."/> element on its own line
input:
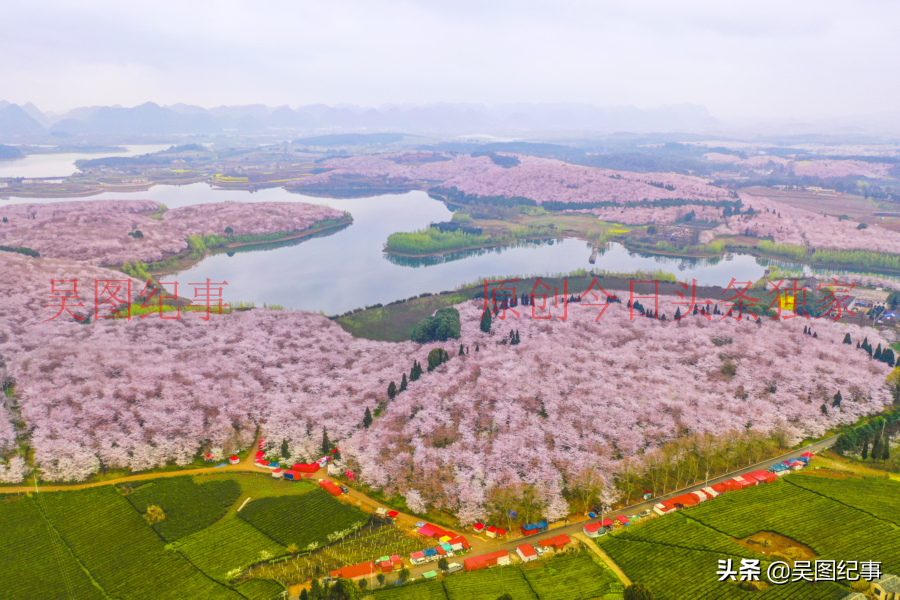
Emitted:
<point x="63" y="165"/>
<point x="347" y="269"/>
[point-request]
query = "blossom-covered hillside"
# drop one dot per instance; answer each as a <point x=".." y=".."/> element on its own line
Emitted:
<point x="540" y="179"/>
<point x="98" y="231"/>
<point x="790" y="225"/>
<point x="823" y="168"/>
<point x="143" y="392"/>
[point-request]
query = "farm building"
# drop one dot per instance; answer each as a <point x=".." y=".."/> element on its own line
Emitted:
<point x="887" y="587"/>
<point x="623" y="520"/>
<point x="277" y="473"/>
<point x="458" y="543"/>
<point x="366" y="569"/>
<point x="495" y="532"/>
<point x="290" y="475"/>
<point x="779" y="469"/>
<point x="330" y="487"/>
<point x="719" y="488"/>
<point x="526" y="552"/>
<point x="475" y="563"/>
<point x="557" y="542"/>
<point x="234" y="460"/>
<point x="417" y="558"/>
<point x="260" y="455"/>
<point x="592" y="530"/>
<point x="710" y="492"/>
<point x="209" y="458"/>
<point x="478" y="527"/>
<point x="429" y="574"/>
<point x="532" y="528"/>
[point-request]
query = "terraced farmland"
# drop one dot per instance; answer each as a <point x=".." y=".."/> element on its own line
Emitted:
<point x="310" y="520"/>
<point x="432" y="590"/>
<point x="121" y="552"/>
<point x="188" y="507"/>
<point x="34" y="562"/>
<point x="229" y="546"/>
<point x="676" y="555"/>
<point x="572" y="576"/>
<point x="488" y="584"/>
<point x="874" y="495"/>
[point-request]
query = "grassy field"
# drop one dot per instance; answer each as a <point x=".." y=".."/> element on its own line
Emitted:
<point x="849" y="519"/>
<point x="227" y="547"/>
<point x="256" y="485"/>
<point x="395" y="323"/>
<point x="34" y="562"/>
<point x="188" y="507"/>
<point x="281" y="519"/>
<point x="120" y="551"/>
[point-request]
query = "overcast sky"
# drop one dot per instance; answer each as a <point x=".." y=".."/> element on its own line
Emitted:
<point x="766" y="58"/>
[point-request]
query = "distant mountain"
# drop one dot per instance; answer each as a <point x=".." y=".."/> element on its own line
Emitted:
<point x="35" y="113"/>
<point x="16" y="122"/>
<point x="438" y="118"/>
<point x="147" y="119"/>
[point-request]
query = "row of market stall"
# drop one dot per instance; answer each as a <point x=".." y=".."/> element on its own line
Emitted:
<point x="738" y="482"/>
<point x="449" y="544"/>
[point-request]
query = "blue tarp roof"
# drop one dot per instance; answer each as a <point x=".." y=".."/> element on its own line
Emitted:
<point x="429" y="552"/>
<point x="779" y="467"/>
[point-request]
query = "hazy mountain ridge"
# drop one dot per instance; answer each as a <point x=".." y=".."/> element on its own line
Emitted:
<point x="151" y="118"/>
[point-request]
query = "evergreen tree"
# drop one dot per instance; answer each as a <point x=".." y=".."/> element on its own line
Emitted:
<point x="485" y="322"/>
<point x="877" y="355"/>
<point x="436" y="358"/>
<point x="512" y="338"/>
<point x="392" y="390"/>
<point x="824" y="408"/>
<point x="865" y="452"/>
<point x="326" y="443"/>
<point x="887" y="356"/>
<point x="304" y="595"/>
<point x="876" y="448"/>
<point x="518" y="339"/>
<point x="837" y="399"/>
<point x="816" y="335"/>
<point x="415" y="371"/>
<point x="857" y="345"/>
<point x="403" y="383"/>
<point x="677" y="313"/>
<point x="344" y="589"/>
<point x="805" y="329"/>
<point x="886" y="450"/>
<point x="367" y="418"/>
<point x="461" y="350"/>
<point x="476" y="346"/>
<point x="847" y="339"/>
<point x="285" y="451"/>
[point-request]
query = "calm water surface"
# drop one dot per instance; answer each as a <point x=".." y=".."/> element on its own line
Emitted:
<point x="347" y="269"/>
<point x="63" y="165"/>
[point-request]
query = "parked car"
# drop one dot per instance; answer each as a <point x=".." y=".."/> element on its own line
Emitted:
<point x="646" y="513"/>
<point x="539" y="550"/>
<point x="344" y="489"/>
<point x="454" y="567"/>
